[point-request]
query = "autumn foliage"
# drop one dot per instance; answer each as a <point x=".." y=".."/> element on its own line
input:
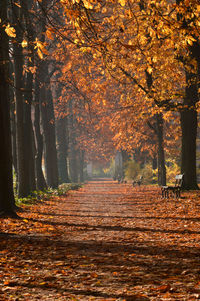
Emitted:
<point x="91" y="78"/>
<point x="82" y="81"/>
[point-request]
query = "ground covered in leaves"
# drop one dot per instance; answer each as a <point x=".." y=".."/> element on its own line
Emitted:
<point x="106" y="241"/>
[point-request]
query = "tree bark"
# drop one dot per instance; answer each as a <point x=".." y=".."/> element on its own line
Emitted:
<point x="189" y="133"/>
<point x="40" y="180"/>
<point x="29" y="147"/>
<point x="48" y="125"/>
<point x="47" y="110"/>
<point x="161" y="153"/>
<point x="73" y="164"/>
<point x="154" y="163"/>
<point x="24" y="188"/>
<point x="189" y="113"/>
<point x="160" y="139"/>
<point x="81" y="167"/>
<point x="7" y="201"/>
<point x="28" y="97"/>
<point x="13" y="138"/>
<point x="62" y="149"/>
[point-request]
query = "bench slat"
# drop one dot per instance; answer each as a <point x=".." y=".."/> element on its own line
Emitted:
<point x="176" y="189"/>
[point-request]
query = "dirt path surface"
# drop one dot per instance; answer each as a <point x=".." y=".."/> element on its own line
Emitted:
<point x="107" y="241"/>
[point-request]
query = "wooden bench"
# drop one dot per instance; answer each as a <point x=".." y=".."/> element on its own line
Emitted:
<point x="137" y="182"/>
<point x="175" y="190"/>
<point x="122" y="180"/>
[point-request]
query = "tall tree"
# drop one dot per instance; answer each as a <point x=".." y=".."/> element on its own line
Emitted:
<point x="40" y="180"/>
<point x="23" y="97"/>
<point x="73" y="150"/>
<point x="62" y="149"/>
<point x="7" y="201"/>
<point x="48" y="126"/>
<point x="46" y="104"/>
<point x="28" y="96"/>
<point x="147" y="35"/>
<point x="187" y="15"/>
<point x="23" y="178"/>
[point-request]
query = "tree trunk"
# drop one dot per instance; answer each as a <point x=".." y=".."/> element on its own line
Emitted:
<point x="28" y="96"/>
<point x="29" y="147"/>
<point x="154" y="163"/>
<point x="13" y="140"/>
<point x="73" y="164"/>
<point x="23" y="172"/>
<point x="189" y="113"/>
<point x="81" y="167"/>
<point x="40" y="180"/>
<point x="62" y="150"/>
<point x="7" y="201"/>
<point x="47" y="109"/>
<point x="189" y="133"/>
<point x="161" y="153"/>
<point x="48" y="125"/>
<point x="160" y="139"/>
<point x="188" y="154"/>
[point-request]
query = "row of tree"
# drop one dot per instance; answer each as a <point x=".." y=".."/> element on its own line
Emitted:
<point x="152" y="48"/>
<point x="80" y="79"/>
<point x="39" y="148"/>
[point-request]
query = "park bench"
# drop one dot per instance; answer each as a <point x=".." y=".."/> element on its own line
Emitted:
<point x="137" y="182"/>
<point x="121" y="180"/>
<point x="174" y="190"/>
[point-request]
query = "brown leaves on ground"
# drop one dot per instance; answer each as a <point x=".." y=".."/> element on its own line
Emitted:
<point x="106" y="241"/>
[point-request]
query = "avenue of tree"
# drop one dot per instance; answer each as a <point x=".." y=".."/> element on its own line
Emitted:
<point x="81" y="80"/>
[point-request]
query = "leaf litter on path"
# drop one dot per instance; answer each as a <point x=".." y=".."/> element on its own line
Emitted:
<point x="106" y="241"/>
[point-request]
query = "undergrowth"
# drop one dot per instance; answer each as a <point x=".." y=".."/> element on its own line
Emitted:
<point x="47" y="194"/>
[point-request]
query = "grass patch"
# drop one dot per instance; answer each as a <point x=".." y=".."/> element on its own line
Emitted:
<point x="37" y="196"/>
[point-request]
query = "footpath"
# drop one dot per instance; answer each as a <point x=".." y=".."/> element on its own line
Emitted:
<point x="106" y="241"/>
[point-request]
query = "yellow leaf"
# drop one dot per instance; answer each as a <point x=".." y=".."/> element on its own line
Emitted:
<point x="10" y="31"/>
<point x="94" y="275"/>
<point x="40" y="54"/>
<point x="33" y="69"/>
<point x="39" y="44"/>
<point x="17" y="4"/>
<point x="87" y="4"/>
<point x="122" y="2"/>
<point x="25" y="220"/>
<point x="51" y="229"/>
<point x="24" y="43"/>
<point x="149" y="69"/>
<point x="44" y="50"/>
<point x="49" y="34"/>
<point x="6" y="282"/>
<point x="190" y="40"/>
<point x="40" y="48"/>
